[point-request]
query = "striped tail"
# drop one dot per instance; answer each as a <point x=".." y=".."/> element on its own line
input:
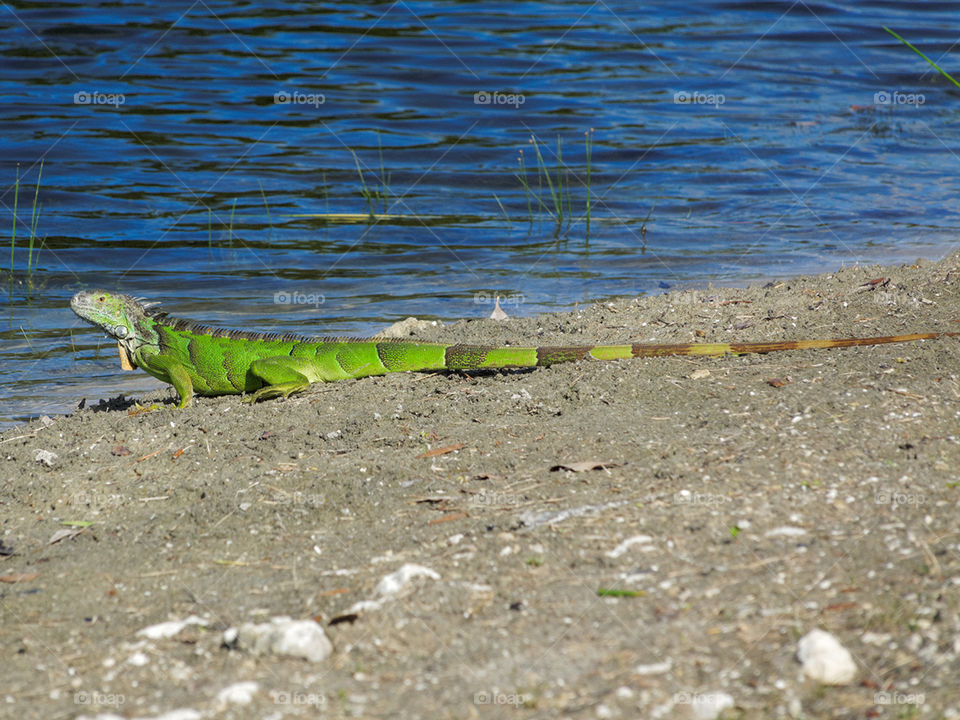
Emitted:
<point x="474" y="357"/>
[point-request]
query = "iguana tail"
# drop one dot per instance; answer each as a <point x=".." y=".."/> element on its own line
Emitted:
<point x="472" y="357"/>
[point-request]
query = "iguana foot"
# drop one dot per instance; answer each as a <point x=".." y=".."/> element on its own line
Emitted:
<point x="271" y="391"/>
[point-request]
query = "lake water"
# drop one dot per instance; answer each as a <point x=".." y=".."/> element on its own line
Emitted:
<point x="184" y="144"/>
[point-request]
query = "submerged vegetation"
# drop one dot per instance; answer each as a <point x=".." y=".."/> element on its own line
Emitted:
<point x="939" y="69"/>
<point x="551" y="190"/>
<point x="558" y="205"/>
<point x="31" y="228"/>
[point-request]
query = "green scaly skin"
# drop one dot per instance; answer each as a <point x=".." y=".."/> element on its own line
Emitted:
<point x="196" y="358"/>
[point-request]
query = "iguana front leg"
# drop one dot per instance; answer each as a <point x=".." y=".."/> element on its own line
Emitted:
<point x="282" y="376"/>
<point x="169" y="370"/>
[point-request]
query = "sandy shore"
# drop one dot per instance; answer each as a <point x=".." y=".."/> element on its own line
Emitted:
<point x="738" y="504"/>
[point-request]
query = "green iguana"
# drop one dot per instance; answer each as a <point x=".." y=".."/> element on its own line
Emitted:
<point x="213" y="361"/>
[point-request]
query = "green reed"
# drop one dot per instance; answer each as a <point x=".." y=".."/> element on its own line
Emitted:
<point x="34" y="220"/>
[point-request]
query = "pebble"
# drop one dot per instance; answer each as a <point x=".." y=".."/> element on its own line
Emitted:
<point x="393" y="583"/>
<point x="47" y="457"/>
<point x="169" y="629"/>
<point x="654" y="668"/>
<point x="181" y="714"/>
<point x="240" y="693"/>
<point x="406" y="328"/>
<point x="785" y="531"/>
<point x="138" y="659"/>
<point x="282" y="636"/>
<point x="824" y="659"/>
<point x="626" y="544"/>
<point x="708" y="706"/>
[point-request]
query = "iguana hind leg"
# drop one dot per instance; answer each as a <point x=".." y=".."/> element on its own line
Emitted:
<point x="282" y="376"/>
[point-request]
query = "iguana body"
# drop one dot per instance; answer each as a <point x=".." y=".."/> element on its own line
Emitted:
<point x="212" y="361"/>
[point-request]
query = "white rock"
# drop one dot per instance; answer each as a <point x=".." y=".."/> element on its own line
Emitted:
<point x="707" y="706"/>
<point x="362" y="606"/>
<point x="392" y="585"/>
<point x="169" y="629"/>
<point x="181" y="714"/>
<point x="395" y="582"/>
<point x="824" y="659"/>
<point x="283" y="636"/>
<point x="47" y="457"/>
<point x="878" y="639"/>
<point x="406" y="328"/>
<point x="654" y="668"/>
<point x="785" y="531"/>
<point x="626" y="544"/>
<point x="138" y="659"/>
<point x="240" y="693"/>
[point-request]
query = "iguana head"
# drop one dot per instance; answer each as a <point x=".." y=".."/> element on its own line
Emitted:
<point x="120" y="316"/>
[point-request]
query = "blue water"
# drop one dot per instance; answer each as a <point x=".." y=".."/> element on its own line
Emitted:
<point x="732" y="142"/>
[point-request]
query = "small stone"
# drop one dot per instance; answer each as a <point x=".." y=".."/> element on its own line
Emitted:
<point x="397" y="581"/>
<point x="179" y="714"/>
<point x="282" y="636"/>
<point x="708" y="706"/>
<point x="627" y="544"/>
<point x="825" y="660"/>
<point x="240" y="693"/>
<point x="46" y="457"/>
<point x="604" y="712"/>
<point x="138" y="659"/>
<point x="170" y="628"/>
<point x="406" y="328"/>
<point x="654" y="668"/>
<point x="785" y="531"/>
